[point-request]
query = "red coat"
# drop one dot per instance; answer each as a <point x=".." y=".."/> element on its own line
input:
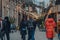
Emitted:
<point x="50" y="24"/>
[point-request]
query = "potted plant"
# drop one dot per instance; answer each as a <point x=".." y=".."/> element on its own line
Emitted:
<point x="12" y="21"/>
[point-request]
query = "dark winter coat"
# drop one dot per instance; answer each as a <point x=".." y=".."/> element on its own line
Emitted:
<point x="6" y="25"/>
<point x="31" y="24"/>
<point x="23" y="27"/>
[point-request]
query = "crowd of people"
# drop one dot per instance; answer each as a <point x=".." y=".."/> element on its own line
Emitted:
<point x="27" y="26"/>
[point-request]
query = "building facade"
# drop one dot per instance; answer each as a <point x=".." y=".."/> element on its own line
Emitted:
<point x="9" y="9"/>
<point x="0" y="8"/>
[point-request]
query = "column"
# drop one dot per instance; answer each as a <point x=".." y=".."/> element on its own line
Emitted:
<point x="0" y="8"/>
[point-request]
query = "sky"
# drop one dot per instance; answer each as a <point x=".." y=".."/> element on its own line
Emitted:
<point x="46" y="2"/>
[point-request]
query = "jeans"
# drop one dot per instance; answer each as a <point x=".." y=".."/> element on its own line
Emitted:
<point x="31" y="34"/>
<point x="23" y="34"/>
<point x="50" y="38"/>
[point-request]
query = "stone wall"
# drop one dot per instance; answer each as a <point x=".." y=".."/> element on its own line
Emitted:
<point x="0" y="8"/>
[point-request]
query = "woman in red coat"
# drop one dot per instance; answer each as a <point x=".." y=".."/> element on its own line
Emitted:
<point x="50" y="25"/>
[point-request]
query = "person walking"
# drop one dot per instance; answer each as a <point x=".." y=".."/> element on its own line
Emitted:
<point x="23" y="29"/>
<point x="50" y="26"/>
<point x="59" y="32"/>
<point x="1" y="29"/>
<point x="6" y="27"/>
<point x="31" y="28"/>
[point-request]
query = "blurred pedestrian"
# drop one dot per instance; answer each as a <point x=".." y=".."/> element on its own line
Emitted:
<point x="6" y="27"/>
<point x="31" y="28"/>
<point x="50" y="26"/>
<point x="23" y="28"/>
<point x="59" y="32"/>
<point x="1" y="29"/>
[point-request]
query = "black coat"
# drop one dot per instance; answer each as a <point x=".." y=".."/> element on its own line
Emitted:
<point x="23" y="27"/>
<point x="6" y="26"/>
<point x="31" y="24"/>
